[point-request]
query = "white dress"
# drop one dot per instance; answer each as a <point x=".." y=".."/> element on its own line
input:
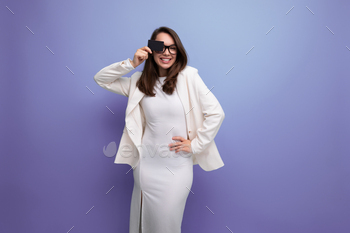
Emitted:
<point x="163" y="176"/>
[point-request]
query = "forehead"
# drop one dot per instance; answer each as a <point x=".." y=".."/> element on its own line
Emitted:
<point x="168" y="40"/>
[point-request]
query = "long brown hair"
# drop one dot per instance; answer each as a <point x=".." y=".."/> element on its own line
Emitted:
<point x="150" y="71"/>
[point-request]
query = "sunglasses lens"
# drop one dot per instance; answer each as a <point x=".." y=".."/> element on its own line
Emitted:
<point x="171" y="49"/>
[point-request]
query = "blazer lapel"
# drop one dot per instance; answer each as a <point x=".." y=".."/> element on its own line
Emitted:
<point x="134" y="101"/>
<point x="182" y="91"/>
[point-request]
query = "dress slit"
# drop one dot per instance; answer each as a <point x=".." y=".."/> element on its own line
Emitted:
<point x="140" y="224"/>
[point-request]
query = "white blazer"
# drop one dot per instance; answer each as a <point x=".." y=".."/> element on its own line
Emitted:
<point x="204" y="114"/>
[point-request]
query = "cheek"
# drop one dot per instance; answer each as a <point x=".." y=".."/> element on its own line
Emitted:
<point x="157" y="59"/>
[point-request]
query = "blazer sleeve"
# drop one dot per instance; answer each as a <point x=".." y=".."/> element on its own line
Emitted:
<point x="110" y="77"/>
<point x="213" y="116"/>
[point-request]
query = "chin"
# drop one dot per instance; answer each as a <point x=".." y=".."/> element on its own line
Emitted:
<point x="165" y="66"/>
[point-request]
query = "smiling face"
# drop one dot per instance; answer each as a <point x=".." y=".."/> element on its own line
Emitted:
<point x="164" y="60"/>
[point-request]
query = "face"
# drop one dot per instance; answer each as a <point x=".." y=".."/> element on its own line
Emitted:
<point x="164" y="60"/>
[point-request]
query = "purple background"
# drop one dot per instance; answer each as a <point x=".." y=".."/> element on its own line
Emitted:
<point x="284" y="141"/>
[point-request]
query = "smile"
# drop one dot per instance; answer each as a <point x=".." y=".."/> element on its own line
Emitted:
<point x="165" y="60"/>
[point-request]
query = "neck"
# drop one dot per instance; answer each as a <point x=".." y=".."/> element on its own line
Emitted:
<point x="162" y="72"/>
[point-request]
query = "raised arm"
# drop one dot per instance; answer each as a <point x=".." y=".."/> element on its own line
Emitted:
<point x="111" y="77"/>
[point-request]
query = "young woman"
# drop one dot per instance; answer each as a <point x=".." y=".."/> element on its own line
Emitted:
<point x="171" y="121"/>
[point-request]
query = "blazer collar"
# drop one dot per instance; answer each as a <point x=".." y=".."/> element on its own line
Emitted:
<point x="182" y="91"/>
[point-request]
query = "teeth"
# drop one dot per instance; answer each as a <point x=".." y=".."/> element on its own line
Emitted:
<point x="165" y="59"/>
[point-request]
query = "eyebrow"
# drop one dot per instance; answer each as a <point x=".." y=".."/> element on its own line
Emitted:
<point x="170" y="45"/>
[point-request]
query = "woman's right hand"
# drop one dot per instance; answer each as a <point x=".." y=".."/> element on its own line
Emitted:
<point x="140" y="55"/>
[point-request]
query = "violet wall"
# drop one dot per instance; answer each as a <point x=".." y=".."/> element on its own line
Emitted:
<point x="279" y="69"/>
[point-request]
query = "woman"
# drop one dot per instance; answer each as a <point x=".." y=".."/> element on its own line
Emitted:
<point x="171" y="121"/>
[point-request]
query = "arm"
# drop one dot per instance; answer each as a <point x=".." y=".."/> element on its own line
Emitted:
<point x="213" y="116"/>
<point x="110" y="77"/>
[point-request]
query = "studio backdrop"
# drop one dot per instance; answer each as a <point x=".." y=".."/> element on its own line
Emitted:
<point x="280" y="70"/>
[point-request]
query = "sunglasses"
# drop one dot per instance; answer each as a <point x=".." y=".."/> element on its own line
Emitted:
<point x="171" y="48"/>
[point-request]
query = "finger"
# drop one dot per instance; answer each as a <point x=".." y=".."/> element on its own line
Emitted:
<point x="144" y="50"/>
<point x="143" y="54"/>
<point x="148" y="49"/>
<point x="178" y="138"/>
<point x="141" y="51"/>
<point x="179" y="147"/>
<point x="142" y="57"/>
<point x="179" y="143"/>
<point x="175" y="147"/>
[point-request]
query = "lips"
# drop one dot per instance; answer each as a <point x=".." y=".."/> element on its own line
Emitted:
<point x="165" y="60"/>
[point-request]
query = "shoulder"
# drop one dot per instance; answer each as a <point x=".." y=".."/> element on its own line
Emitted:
<point x="189" y="70"/>
<point x="191" y="73"/>
<point x="136" y="75"/>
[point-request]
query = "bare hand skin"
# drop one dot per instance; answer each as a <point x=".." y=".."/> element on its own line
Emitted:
<point x="184" y="145"/>
<point x="140" y="56"/>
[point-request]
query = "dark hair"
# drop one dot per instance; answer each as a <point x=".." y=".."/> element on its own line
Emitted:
<point x="150" y="71"/>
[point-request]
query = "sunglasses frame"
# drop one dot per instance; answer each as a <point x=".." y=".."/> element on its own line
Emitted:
<point x="165" y="48"/>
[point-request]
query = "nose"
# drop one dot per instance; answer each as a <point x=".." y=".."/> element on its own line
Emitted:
<point x="167" y="52"/>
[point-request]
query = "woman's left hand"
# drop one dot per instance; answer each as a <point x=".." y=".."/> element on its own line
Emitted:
<point x="184" y="145"/>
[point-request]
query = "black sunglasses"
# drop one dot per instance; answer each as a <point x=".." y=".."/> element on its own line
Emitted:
<point x="171" y="48"/>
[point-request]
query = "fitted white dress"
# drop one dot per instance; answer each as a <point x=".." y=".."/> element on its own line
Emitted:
<point x="163" y="176"/>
